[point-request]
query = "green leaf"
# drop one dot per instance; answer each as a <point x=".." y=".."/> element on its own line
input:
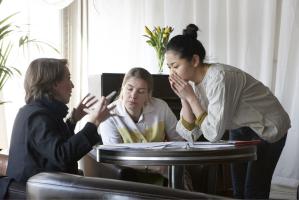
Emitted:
<point x="6" y="45"/>
<point x="150" y="42"/>
<point x="7" y="18"/>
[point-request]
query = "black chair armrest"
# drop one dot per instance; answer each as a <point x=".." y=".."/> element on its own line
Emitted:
<point x="16" y="191"/>
<point x="68" y="186"/>
<point x="9" y="189"/>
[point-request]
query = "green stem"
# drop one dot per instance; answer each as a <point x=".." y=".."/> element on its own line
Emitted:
<point x="160" y="57"/>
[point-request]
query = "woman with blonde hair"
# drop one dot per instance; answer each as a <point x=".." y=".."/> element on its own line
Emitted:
<point x="139" y="117"/>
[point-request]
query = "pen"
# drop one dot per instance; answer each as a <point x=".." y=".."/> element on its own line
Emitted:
<point x="109" y="96"/>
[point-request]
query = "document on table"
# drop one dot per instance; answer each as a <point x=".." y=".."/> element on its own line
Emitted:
<point x="167" y="145"/>
<point x="149" y="145"/>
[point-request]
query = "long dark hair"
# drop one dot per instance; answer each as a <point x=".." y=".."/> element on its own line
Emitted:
<point x="187" y="45"/>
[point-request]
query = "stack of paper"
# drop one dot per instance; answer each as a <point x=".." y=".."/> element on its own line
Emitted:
<point x="169" y="145"/>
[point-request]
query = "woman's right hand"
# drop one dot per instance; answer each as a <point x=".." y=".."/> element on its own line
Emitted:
<point x="171" y="82"/>
<point x="181" y="87"/>
<point x="99" y="112"/>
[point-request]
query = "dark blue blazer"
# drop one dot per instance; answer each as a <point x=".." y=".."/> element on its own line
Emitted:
<point x="42" y="142"/>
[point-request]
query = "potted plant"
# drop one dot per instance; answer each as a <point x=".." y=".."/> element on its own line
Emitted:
<point x="6" y="47"/>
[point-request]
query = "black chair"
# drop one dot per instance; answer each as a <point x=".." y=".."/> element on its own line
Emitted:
<point x="15" y="190"/>
<point x="68" y="186"/>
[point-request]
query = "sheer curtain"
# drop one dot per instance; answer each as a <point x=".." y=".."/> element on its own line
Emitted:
<point x="51" y="21"/>
<point x="75" y="45"/>
<point x="260" y="37"/>
<point x="42" y="23"/>
<point x="286" y="89"/>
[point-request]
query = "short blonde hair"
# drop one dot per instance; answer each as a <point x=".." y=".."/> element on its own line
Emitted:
<point x="141" y="73"/>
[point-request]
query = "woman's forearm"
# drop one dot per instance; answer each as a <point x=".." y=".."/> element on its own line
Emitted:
<point x="187" y="112"/>
<point x="195" y="106"/>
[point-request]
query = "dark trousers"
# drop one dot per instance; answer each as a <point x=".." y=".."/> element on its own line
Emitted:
<point x="252" y="180"/>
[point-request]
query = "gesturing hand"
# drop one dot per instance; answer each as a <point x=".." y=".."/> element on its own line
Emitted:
<point x="87" y="102"/>
<point x="181" y="87"/>
<point x="99" y="112"/>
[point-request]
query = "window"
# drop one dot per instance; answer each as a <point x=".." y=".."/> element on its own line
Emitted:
<point x="42" y="23"/>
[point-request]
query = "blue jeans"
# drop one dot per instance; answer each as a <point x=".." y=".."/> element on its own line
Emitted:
<point x="252" y="180"/>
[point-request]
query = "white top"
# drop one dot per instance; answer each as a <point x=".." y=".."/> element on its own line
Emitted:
<point x="157" y="123"/>
<point x="233" y="99"/>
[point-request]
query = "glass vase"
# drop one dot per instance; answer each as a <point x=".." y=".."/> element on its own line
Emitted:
<point x="160" y="57"/>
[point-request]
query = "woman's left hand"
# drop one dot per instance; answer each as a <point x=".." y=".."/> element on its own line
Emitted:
<point x="181" y="87"/>
<point x="100" y="112"/>
<point x="87" y="102"/>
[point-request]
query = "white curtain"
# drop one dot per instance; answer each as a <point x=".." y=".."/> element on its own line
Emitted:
<point x="287" y="84"/>
<point x="40" y="22"/>
<point x="75" y="37"/>
<point x="230" y="30"/>
<point x="59" y="4"/>
<point x="260" y="37"/>
<point x="75" y="47"/>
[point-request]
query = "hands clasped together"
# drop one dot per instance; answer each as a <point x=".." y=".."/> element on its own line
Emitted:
<point x="181" y="87"/>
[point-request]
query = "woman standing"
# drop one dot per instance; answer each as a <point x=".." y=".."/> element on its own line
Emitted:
<point x="217" y="97"/>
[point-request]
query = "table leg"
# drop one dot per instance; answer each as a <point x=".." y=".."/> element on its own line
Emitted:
<point x="176" y="176"/>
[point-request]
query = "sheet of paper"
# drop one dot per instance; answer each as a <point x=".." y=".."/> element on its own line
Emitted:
<point x="166" y="145"/>
<point x="149" y="145"/>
